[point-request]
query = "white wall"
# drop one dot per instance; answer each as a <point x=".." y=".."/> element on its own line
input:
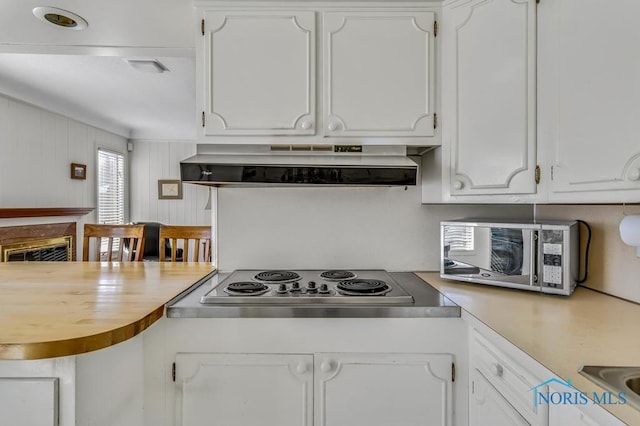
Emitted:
<point x="300" y="227"/>
<point x="36" y="150"/>
<point x="312" y="228"/>
<point x="614" y="267"/>
<point x="155" y="160"/>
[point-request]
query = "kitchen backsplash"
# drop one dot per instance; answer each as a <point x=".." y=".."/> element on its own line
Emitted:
<point x="613" y="265"/>
<point x="363" y="228"/>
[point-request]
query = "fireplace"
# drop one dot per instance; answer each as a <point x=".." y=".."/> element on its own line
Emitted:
<point x="46" y="242"/>
<point x="47" y="250"/>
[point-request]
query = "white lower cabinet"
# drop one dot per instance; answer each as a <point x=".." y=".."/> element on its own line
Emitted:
<point x="489" y="407"/>
<point x="496" y="373"/>
<point x="569" y="415"/>
<point x="29" y="401"/>
<point x="245" y="389"/>
<point x="98" y="388"/>
<point x="579" y="415"/>
<point x="504" y="383"/>
<point x="328" y="389"/>
<point x="383" y="389"/>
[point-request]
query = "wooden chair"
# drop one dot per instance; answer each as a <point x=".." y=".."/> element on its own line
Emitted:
<point x="131" y="236"/>
<point x="184" y="234"/>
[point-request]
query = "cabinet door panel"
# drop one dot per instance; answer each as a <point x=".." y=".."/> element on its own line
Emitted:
<point x="29" y="401"/>
<point x="489" y="407"/>
<point x="589" y="91"/>
<point x="259" y="73"/>
<point x="378" y="71"/>
<point x="245" y="389"/>
<point x="383" y="389"/>
<point x="572" y="415"/>
<point x="489" y="85"/>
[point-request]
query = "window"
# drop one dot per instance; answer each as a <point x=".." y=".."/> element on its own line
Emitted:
<point x="110" y="187"/>
<point x="459" y="238"/>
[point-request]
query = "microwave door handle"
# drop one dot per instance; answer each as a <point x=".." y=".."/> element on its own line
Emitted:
<point x="533" y="277"/>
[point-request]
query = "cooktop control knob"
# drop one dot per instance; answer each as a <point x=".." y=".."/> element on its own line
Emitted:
<point x="311" y="284"/>
<point x="295" y="286"/>
<point x="311" y="287"/>
<point x="282" y="289"/>
<point x="324" y="289"/>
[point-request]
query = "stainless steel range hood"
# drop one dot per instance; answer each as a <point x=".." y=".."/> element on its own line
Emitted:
<point x="326" y="165"/>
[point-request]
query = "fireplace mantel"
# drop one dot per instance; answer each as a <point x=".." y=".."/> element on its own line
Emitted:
<point x="11" y="213"/>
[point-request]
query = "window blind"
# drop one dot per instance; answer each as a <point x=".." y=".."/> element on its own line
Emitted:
<point x="110" y="187"/>
<point x="110" y="190"/>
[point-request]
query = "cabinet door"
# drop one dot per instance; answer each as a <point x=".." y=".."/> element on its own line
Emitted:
<point x="488" y="407"/>
<point x="589" y="91"/>
<point x="509" y="374"/>
<point x="489" y="97"/>
<point x="580" y="415"/>
<point x="259" y="73"/>
<point x="378" y="74"/>
<point x="244" y="389"/>
<point x="383" y="389"/>
<point x="29" y="401"/>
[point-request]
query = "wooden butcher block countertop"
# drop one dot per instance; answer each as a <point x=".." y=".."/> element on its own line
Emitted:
<point x="52" y="309"/>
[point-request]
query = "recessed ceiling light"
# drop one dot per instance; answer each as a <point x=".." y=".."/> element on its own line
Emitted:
<point x="148" y="65"/>
<point x="60" y="17"/>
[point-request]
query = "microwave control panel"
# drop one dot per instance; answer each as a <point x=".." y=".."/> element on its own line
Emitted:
<point x="552" y="257"/>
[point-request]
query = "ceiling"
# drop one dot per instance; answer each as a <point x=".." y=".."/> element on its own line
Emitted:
<point x="82" y="74"/>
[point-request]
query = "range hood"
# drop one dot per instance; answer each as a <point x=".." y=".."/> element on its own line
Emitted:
<point x="324" y="165"/>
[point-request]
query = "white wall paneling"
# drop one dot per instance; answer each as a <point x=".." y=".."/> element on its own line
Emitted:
<point x="38" y="147"/>
<point x="154" y="160"/>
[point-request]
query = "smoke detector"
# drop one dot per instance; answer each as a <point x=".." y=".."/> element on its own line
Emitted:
<point x="60" y="17"/>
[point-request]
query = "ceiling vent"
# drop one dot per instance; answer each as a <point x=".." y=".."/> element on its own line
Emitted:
<point x="152" y="66"/>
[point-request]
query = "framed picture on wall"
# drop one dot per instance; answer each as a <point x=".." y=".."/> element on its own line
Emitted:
<point x="170" y="190"/>
<point x="78" y="171"/>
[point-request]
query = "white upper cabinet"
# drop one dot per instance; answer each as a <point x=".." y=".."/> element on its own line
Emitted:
<point x="489" y="97"/>
<point x="259" y="73"/>
<point x="319" y="74"/>
<point x="378" y="73"/>
<point x="589" y="89"/>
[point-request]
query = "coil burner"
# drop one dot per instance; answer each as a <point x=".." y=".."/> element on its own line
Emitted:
<point x="246" y="288"/>
<point x="276" y="276"/>
<point x="338" y="275"/>
<point x="359" y="287"/>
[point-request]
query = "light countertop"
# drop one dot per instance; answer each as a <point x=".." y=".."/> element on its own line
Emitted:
<point x="52" y="309"/>
<point x="562" y="333"/>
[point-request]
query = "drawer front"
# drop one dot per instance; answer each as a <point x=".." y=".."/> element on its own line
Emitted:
<point x="510" y="378"/>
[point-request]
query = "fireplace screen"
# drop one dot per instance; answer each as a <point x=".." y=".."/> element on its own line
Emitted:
<point x="48" y="250"/>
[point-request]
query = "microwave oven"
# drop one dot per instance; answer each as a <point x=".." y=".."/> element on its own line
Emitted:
<point x="538" y="256"/>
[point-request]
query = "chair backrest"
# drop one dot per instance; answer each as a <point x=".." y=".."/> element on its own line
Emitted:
<point x="152" y="241"/>
<point x="198" y="251"/>
<point x="131" y="236"/>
